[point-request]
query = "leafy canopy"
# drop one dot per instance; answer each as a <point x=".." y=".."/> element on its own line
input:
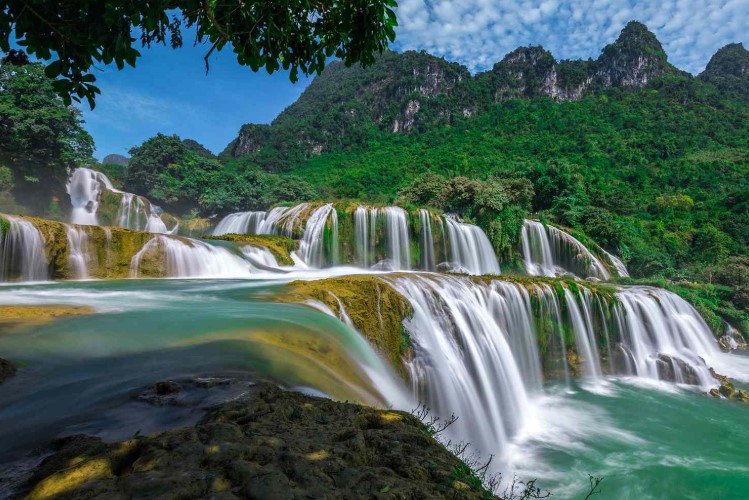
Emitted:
<point x="296" y="35"/>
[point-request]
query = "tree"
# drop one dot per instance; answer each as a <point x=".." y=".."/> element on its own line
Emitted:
<point x="40" y="137"/>
<point x="298" y="35"/>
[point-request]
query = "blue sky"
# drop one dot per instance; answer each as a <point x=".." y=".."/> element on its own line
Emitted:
<point x="169" y="91"/>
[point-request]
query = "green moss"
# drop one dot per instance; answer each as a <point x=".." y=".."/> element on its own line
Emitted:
<point x="280" y="246"/>
<point x="4" y="226"/>
<point x="375" y="308"/>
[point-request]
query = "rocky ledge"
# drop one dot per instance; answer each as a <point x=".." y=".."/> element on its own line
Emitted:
<point x="268" y="444"/>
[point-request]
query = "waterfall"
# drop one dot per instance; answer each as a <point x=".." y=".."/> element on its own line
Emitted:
<point x="79" y="253"/>
<point x="85" y="187"/>
<point x="22" y="251"/>
<point x="537" y="250"/>
<point x="426" y="242"/>
<point x="477" y="344"/>
<point x="474" y="354"/>
<point x="364" y="233"/>
<point x="188" y="258"/>
<point x="240" y="223"/>
<point x="397" y="238"/>
<point x="548" y="251"/>
<point x="312" y="244"/>
<point x="585" y="335"/>
<point x="661" y="327"/>
<point x="621" y="269"/>
<point x="470" y="249"/>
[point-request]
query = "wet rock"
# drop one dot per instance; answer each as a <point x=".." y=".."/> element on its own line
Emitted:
<point x="7" y="370"/>
<point x="676" y="370"/>
<point x="162" y="394"/>
<point x="267" y="444"/>
<point x="742" y="396"/>
<point x="715" y="393"/>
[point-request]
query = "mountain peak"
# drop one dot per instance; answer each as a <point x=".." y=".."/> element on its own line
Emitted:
<point x="733" y="59"/>
<point x="634" y="59"/>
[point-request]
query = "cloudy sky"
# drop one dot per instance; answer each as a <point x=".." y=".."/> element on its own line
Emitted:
<point x="169" y="91"/>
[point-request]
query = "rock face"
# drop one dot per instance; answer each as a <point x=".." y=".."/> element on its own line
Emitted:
<point x="415" y="91"/>
<point x="630" y="63"/>
<point x="116" y="160"/>
<point x="269" y="444"/>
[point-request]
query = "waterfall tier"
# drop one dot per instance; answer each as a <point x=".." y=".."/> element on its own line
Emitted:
<point x="34" y="249"/>
<point x="96" y="202"/>
<point x="487" y="344"/>
<point x="549" y="251"/>
<point x="384" y="238"/>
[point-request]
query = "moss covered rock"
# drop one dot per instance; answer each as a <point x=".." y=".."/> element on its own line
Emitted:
<point x="268" y="444"/>
<point x="376" y="310"/>
<point x="280" y="246"/>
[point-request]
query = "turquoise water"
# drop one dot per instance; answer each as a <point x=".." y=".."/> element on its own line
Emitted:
<point x="80" y="374"/>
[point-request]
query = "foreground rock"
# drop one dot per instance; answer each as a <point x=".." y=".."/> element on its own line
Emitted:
<point x="7" y="370"/>
<point x="269" y="444"/>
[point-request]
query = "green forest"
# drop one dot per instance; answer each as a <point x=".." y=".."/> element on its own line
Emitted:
<point x="656" y="173"/>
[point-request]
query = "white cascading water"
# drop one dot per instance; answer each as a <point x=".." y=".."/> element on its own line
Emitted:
<point x="240" y="223"/>
<point x="260" y="257"/>
<point x="475" y="345"/>
<point x="397" y="238"/>
<point x="548" y="251"/>
<point x="474" y="348"/>
<point x="312" y="244"/>
<point x="470" y="249"/>
<point x="428" y="261"/>
<point x="22" y="252"/>
<point x="85" y="187"/>
<point x="79" y="253"/>
<point x="621" y="269"/>
<point x="364" y="232"/>
<point x="188" y="258"/>
<point x="656" y="321"/>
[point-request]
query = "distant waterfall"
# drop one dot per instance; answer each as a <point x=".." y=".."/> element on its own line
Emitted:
<point x="22" y="251"/>
<point x="476" y="345"/>
<point x="548" y="251"/>
<point x="188" y="258"/>
<point x="240" y="223"/>
<point x="470" y="249"/>
<point x="364" y="234"/>
<point x="86" y="186"/>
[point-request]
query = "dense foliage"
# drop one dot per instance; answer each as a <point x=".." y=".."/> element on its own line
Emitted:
<point x="297" y="35"/>
<point x="40" y="137"/>
<point x="184" y="175"/>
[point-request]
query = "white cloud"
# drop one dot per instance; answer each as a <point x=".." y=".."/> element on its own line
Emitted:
<point x="479" y="33"/>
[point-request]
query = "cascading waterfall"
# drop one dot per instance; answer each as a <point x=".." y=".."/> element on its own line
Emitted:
<point x="426" y="242"/>
<point x="396" y="229"/>
<point x="312" y="244"/>
<point x="85" y="187"/>
<point x="470" y="249"/>
<point x="477" y="344"/>
<point x="473" y="347"/>
<point x="188" y="258"/>
<point x="240" y="223"/>
<point x="548" y="251"/>
<point x="79" y="254"/>
<point x="660" y="328"/>
<point x="364" y="232"/>
<point x="22" y="251"/>
<point x="621" y="269"/>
